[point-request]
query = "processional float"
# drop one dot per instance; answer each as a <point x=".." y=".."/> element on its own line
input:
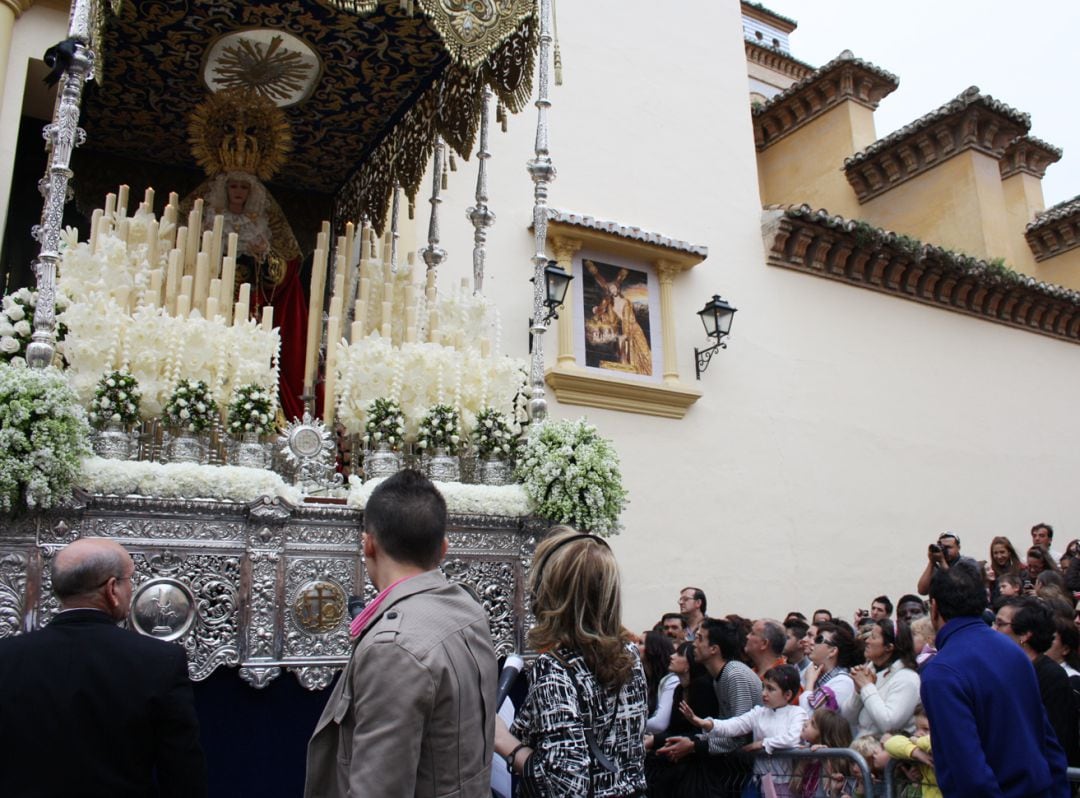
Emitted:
<point x="246" y="549"/>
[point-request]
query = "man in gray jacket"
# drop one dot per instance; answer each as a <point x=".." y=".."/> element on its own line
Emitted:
<point x="414" y="712"/>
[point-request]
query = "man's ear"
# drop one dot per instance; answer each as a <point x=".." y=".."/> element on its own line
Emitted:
<point x="367" y="541"/>
<point x="445" y="548"/>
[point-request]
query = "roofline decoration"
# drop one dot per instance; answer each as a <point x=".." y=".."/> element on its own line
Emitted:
<point x="769" y="15"/>
<point x="1028" y="155"/>
<point x="969" y="121"/>
<point x="816" y="242"/>
<point x="844" y="78"/>
<point x="1055" y="230"/>
<point x="626" y="232"/>
<point x="776" y="60"/>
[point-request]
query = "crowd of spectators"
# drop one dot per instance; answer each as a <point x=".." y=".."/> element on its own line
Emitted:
<point x="722" y="687"/>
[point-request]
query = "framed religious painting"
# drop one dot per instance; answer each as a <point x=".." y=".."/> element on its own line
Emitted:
<point x="616" y="344"/>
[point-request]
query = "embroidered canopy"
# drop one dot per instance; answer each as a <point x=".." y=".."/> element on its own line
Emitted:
<point x="367" y="87"/>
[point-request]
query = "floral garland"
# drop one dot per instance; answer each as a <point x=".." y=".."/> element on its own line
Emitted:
<point x="463" y="499"/>
<point x="440" y="428"/>
<point x="17" y="323"/>
<point x="182" y="481"/>
<point x="572" y="476"/>
<point x="493" y="436"/>
<point x="385" y="424"/>
<point x="253" y="409"/>
<point x="190" y="407"/>
<point x="43" y="438"/>
<point x="117" y="399"/>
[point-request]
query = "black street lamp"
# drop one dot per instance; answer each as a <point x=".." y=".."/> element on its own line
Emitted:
<point x="716" y="316"/>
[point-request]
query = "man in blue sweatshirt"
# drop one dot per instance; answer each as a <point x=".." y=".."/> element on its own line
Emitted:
<point x="990" y="731"/>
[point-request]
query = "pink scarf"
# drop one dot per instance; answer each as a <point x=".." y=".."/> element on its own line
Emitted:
<point x="361" y="620"/>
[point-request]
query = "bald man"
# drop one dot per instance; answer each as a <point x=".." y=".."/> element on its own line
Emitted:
<point x="89" y="709"/>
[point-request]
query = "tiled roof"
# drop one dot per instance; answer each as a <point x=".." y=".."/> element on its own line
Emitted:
<point x="1056" y="213"/>
<point x="846" y="58"/>
<point x="629" y="232"/>
<point x="770" y="12"/>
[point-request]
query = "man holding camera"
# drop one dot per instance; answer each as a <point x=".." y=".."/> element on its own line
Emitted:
<point x="939" y="557"/>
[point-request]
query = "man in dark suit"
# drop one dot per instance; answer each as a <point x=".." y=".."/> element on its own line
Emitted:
<point x="88" y="709"/>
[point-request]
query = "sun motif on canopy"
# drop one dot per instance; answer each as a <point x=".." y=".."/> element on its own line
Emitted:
<point x="273" y="63"/>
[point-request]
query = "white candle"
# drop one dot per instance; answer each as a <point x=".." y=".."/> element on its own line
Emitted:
<point x="357" y="331"/>
<point x="212" y="308"/>
<point x="123" y="230"/>
<point x="244" y="300"/>
<point x="387" y="313"/>
<point x="268" y="317"/>
<point x="315" y="306"/>
<point x="95" y="228"/>
<point x="410" y="335"/>
<point x="183" y="306"/>
<point x="234" y="242"/>
<point x="215" y="245"/>
<point x="227" y="288"/>
<point x="155" y="285"/>
<point x="187" y="282"/>
<point x="122" y="202"/>
<point x="172" y="280"/>
<point x="110" y="205"/>
<point x="333" y="334"/>
<point x="194" y="234"/>
<point x="153" y="239"/>
<point x="240" y="312"/>
<point x="148" y="200"/>
<point x="181" y="246"/>
<point x="202" y="281"/>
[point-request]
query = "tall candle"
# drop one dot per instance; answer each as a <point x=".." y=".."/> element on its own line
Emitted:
<point x="202" y="281"/>
<point x="336" y="306"/>
<point x="215" y="245"/>
<point x="227" y="289"/>
<point x="268" y="318"/>
<point x="357" y="331"/>
<point x="387" y="311"/>
<point x="155" y="284"/>
<point x="360" y="314"/>
<point x="181" y="246"/>
<point x="315" y="306"/>
<point x="333" y="335"/>
<point x="191" y="246"/>
<point x="244" y="300"/>
<point x="110" y="205"/>
<point x="212" y="308"/>
<point x="187" y="282"/>
<point x="433" y="325"/>
<point x="410" y="335"/>
<point x="183" y="306"/>
<point x="207" y="244"/>
<point x="410" y="317"/>
<point x="240" y="312"/>
<point x="234" y="242"/>
<point x="152" y="241"/>
<point x="172" y="280"/>
<point x="122" y="201"/>
<point x="174" y="199"/>
<point x="123" y="229"/>
<point x="148" y="200"/>
<point x="214" y="291"/>
<point x="95" y="228"/>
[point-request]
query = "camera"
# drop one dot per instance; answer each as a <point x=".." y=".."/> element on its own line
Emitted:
<point x="935" y="548"/>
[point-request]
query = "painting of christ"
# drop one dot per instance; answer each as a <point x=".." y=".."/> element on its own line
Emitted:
<point x="615" y="302"/>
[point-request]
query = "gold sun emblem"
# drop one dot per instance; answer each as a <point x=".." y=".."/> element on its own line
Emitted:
<point x="273" y="70"/>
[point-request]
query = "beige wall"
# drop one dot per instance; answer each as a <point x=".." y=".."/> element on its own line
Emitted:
<point x="1023" y="199"/>
<point x="1063" y="269"/>
<point x="959" y="205"/>
<point x="842" y="430"/>
<point x="805" y="166"/>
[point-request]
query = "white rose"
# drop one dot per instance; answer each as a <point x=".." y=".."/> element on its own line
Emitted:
<point x="15" y="312"/>
<point x="6" y="328"/>
<point x="9" y="345"/>
<point x="23" y="327"/>
<point x="184" y="413"/>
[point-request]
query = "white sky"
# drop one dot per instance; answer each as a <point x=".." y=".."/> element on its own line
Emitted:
<point x="1024" y="54"/>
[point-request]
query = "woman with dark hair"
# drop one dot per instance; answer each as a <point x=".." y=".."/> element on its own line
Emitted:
<point x="1050" y="587"/>
<point x="828" y="681"/>
<point x="689" y="777"/>
<point x="1065" y="650"/>
<point x="659" y="680"/>
<point x="1039" y="560"/>
<point x="888" y="684"/>
<point x="1003" y="560"/>
<point x="580" y="729"/>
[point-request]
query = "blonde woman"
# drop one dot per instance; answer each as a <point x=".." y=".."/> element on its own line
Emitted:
<point x="580" y="730"/>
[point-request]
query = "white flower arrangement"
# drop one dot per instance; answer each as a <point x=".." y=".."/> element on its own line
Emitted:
<point x="385" y="424"/>
<point x="493" y="436"/>
<point x="190" y="407"/>
<point x="253" y="409"/>
<point x="182" y="481"/>
<point x="461" y="499"/>
<point x="43" y="437"/>
<point x="117" y="399"/>
<point x="440" y="428"/>
<point x="572" y="476"/>
<point x="435" y="373"/>
<point x="158" y="349"/>
<point x="17" y="323"/>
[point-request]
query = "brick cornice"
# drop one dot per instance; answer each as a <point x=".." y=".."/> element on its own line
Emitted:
<point x="776" y="60"/>
<point x="1028" y="155"/>
<point x="1055" y="230"/>
<point x="970" y="121"/>
<point x="844" y="78"/>
<point x="814" y="242"/>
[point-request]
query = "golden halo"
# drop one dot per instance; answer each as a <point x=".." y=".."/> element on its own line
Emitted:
<point x="239" y="129"/>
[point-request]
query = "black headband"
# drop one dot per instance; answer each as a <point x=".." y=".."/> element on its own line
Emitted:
<point x="570" y="539"/>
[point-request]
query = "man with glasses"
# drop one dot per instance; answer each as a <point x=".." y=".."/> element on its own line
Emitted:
<point x="940" y="556"/>
<point x="991" y="733"/>
<point x="88" y="708"/>
<point x="692" y="604"/>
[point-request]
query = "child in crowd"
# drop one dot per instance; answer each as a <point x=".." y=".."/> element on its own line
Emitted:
<point x="916" y="749"/>
<point x="777" y="725"/>
<point x="1010" y="585"/>
<point x="824" y="729"/>
<point x="922" y="638"/>
<point x="870" y="748"/>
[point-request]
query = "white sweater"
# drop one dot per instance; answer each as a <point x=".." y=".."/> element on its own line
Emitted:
<point x="889" y="705"/>
<point x="776" y="728"/>
<point x="661" y="717"/>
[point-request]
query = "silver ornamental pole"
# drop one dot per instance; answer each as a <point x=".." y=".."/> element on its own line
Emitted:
<point x="480" y="215"/>
<point x="63" y="135"/>
<point x="433" y="254"/>
<point x="542" y="172"/>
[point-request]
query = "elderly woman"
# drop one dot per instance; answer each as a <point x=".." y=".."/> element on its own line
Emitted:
<point x="580" y="730"/>
<point x="888" y="684"/>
